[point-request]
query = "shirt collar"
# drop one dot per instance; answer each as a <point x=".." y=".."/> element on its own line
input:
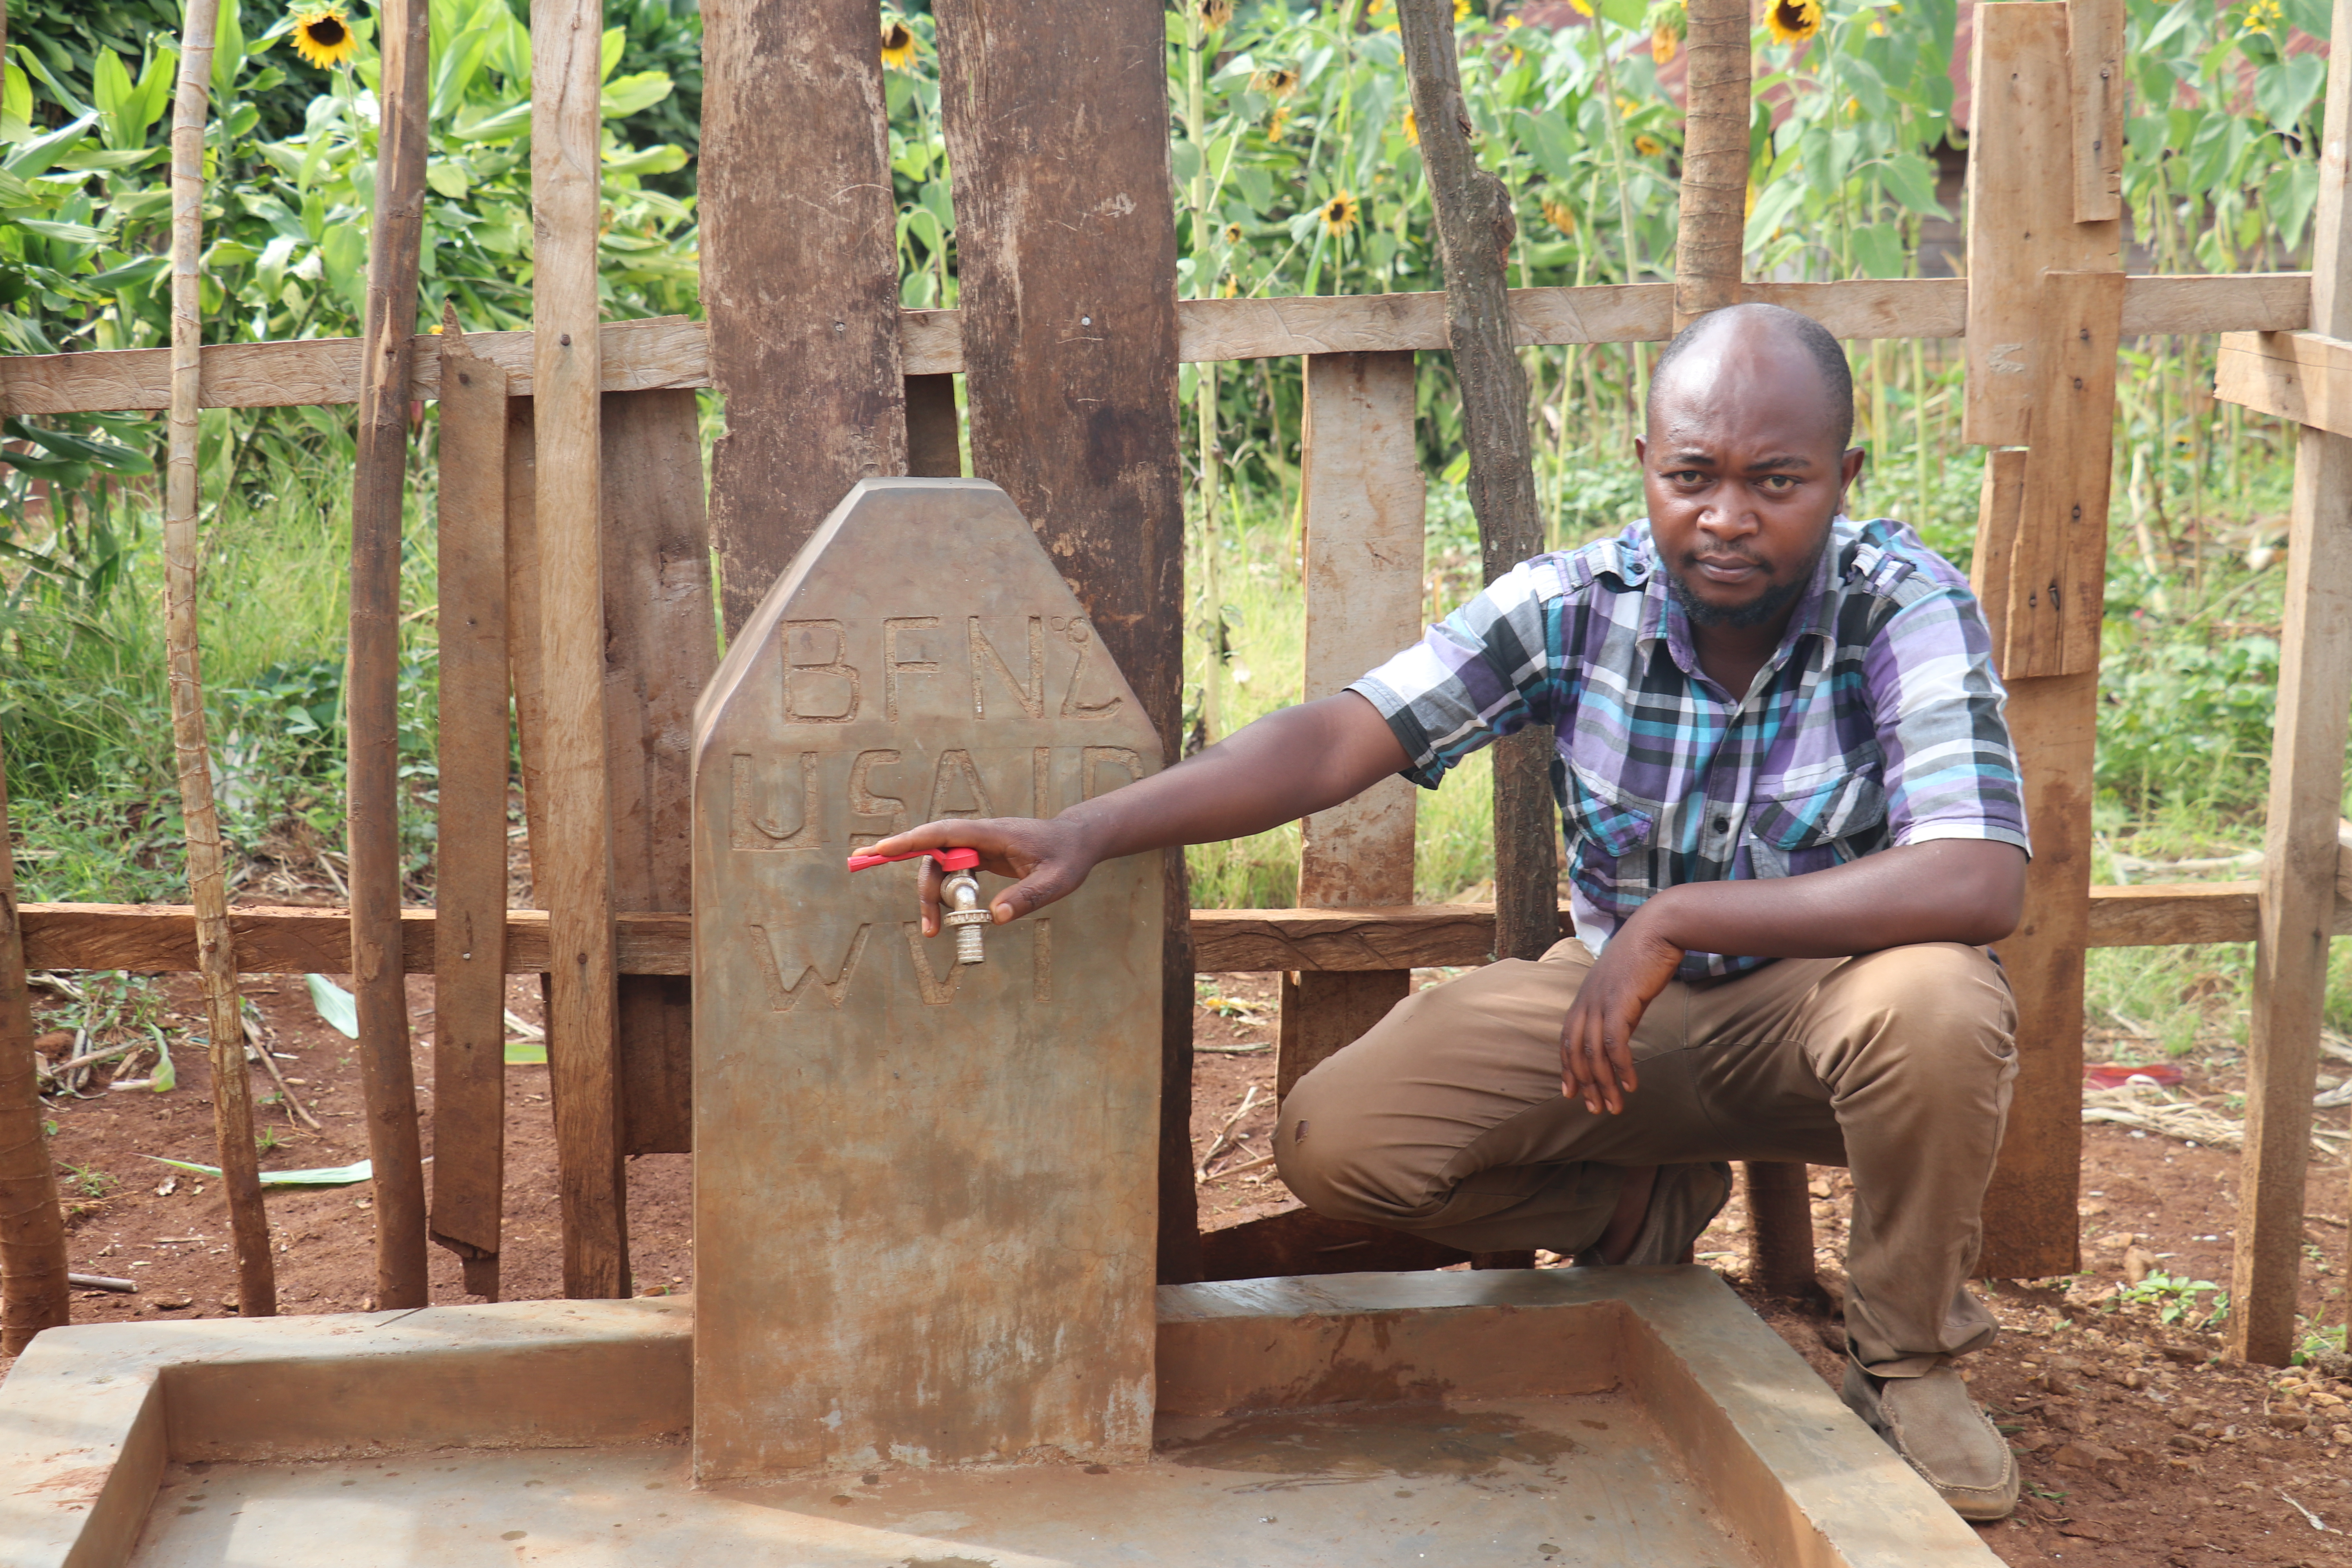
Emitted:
<point x="1663" y="615"/>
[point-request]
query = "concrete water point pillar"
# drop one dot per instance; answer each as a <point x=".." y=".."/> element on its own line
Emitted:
<point x="924" y="1198"/>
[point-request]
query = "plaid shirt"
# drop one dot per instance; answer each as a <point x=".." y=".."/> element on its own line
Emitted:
<point x="1876" y="722"/>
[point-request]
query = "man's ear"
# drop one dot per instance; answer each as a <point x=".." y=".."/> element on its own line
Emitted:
<point x="1849" y="470"/>
<point x="1641" y="449"/>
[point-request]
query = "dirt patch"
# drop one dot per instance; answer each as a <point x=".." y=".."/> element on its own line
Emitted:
<point x="2140" y="1445"/>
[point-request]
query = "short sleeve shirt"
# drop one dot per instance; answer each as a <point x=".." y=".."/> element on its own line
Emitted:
<point x="1876" y="722"/>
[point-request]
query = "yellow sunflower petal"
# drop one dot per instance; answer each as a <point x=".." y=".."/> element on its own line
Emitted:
<point x="323" y="35"/>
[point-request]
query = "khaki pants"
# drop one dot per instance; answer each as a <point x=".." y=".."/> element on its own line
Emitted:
<point x="1447" y="1119"/>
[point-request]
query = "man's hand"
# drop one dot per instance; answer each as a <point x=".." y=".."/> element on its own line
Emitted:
<point x="1047" y="859"/>
<point x="1596" y="1042"/>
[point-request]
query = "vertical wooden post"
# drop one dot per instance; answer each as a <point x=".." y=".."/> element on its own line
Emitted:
<point x="2306" y="790"/>
<point x="379" y="977"/>
<point x="257" y="1286"/>
<point x="660" y="647"/>
<point x="1474" y="238"/>
<point x="575" y="876"/>
<point x="1068" y="247"/>
<point x="800" y="275"/>
<point x="1364" y="495"/>
<point x="2022" y="225"/>
<point x="33" y="1292"/>
<point x="470" y="895"/>
<point x="2094" y="59"/>
<point x="1711" y="247"/>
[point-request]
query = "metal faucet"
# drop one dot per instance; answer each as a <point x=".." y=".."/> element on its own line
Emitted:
<point x="966" y="914"/>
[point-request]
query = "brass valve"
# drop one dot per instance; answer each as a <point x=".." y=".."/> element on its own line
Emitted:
<point x="966" y="914"/>
<point x="962" y="891"/>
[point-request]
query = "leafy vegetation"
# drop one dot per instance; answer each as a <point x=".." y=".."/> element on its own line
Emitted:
<point x="1295" y="171"/>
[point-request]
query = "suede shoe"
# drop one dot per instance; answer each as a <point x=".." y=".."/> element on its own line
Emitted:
<point x="1683" y="1203"/>
<point x="1933" y="1422"/>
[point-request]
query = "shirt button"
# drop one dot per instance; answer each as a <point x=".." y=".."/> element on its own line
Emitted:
<point x="1723" y="824"/>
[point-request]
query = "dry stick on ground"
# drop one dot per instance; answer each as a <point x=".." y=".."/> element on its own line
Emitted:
<point x="1474" y="229"/>
<point x="293" y="1105"/>
<point x="33" y="1291"/>
<point x="373" y="735"/>
<point x="257" y="1287"/>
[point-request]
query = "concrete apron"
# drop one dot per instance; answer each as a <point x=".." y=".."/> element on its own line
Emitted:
<point x="1602" y="1416"/>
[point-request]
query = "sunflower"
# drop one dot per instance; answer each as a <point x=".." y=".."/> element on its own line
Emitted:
<point x="1461" y="10"/>
<point x="1411" y="129"/>
<point x="1229" y="288"/>
<point x="1216" y="13"/>
<point x="1278" y="83"/>
<point x="1647" y="146"/>
<point x="1339" y="215"/>
<point x="1793" y="21"/>
<point x="322" y="38"/>
<point x="1274" y="123"/>
<point x="2262" y="16"/>
<point x="897" y="44"/>
<point x="1232" y="234"/>
<point x="1669" y="24"/>
<point x="1560" y="215"/>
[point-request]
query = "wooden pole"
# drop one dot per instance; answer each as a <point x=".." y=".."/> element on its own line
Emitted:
<point x="2298" y="898"/>
<point x="32" y="1291"/>
<point x="1710" y="249"/>
<point x="1067" y="273"/>
<point x="372" y="702"/>
<point x="1364" y="497"/>
<point x="470" y="888"/>
<point x="575" y="876"/>
<point x="256" y="1289"/>
<point x="2021" y="227"/>
<point x="1475" y="233"/>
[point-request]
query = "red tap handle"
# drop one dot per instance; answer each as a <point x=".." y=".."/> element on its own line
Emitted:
<point x="948" y="860"/>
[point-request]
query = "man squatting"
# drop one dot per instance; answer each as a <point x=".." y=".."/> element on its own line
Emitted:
<point x="1793" y="820"/>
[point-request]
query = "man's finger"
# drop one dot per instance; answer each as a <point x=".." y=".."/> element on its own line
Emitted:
<point x="927" y="889"/>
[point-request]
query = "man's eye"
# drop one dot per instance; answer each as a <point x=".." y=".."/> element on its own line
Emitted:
<point x="1686" y="477"/>
<point x="1779" y="484"/>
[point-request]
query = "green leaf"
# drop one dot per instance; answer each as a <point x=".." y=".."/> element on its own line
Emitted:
<point x="1878" y="250"/>
<point x="33" y="158"/>
<point x="525" y="1053"/>
<point x="503" y="126"/>
<point x="334" y="1004"/>
<point x="1458" y="469"/>
<point x="16" y="97"/>
<point x="2285" y="91"/>
<point x="111" y="86"/>
<point x="154" y="91"/>
<point x="625" y="96"/>
<point x="450" y="180"/>
<point x="71" y="233"/>
<point x="318" y="1176"/>
<point x="643" y="161"/>
<point x="615" y="40"/>
<point x="228" y="51"/>
<point x="1911" y="180"/>
<point x="96" y="157"/>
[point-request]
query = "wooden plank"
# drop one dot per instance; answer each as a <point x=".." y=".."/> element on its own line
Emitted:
<point x="660" y="645"/>
<point x="933" y="449"/>
<point x="2300" y="843"/>
<point x="2031" y="1229"/>
<point x="674" y="351"/>
<point x="2058" y="562"/>
<point x="1066" y="256"/>
<point x="372" y="687"/>
<point x="800" y="275"/>
<point x="2095" y="63"/>
<point x="1300" y="1241"/>
<point x="660" y="350"/>
<point x="158" y="939"/>
<point x="574" y="874"/>
<point x="2020" y="211"/>
<point x="470" y="891"/>
<point x="2303" y="377"/>
<point x="1365" y="498"/>
<point x="2001" y="501"/>
<point x="32" y="1291"/>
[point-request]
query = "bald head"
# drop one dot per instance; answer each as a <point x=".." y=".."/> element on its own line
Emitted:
<point x="1748" y="349"/>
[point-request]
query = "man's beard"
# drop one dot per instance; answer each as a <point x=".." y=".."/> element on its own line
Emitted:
<point x="1756" y="613"/>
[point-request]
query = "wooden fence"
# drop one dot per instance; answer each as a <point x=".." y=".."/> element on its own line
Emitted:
<point x="580" y="581"/>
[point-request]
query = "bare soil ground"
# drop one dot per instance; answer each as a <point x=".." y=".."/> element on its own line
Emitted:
<point x="2141" y="1444"/>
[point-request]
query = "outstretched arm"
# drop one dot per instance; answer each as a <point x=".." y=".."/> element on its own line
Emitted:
<point x="1950" y="889"/>
<point x="1292" y="762"/>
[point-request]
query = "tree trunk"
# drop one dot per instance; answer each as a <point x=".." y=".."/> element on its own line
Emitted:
<point x="1474" y="230"/>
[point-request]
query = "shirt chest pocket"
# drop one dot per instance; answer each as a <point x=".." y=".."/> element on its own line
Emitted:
<point x="1810" y="826"/>
<point x="1600" y="814"/>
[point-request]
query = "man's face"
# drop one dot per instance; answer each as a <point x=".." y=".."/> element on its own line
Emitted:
<point x="1743" y="475"/>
